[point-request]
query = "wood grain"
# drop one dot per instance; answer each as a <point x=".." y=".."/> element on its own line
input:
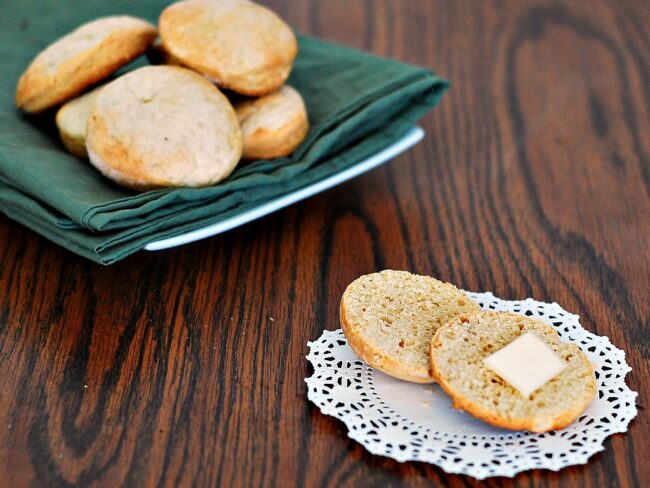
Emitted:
<point x="186" y="367"/>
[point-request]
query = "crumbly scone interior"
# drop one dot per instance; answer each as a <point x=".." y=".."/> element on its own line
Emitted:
<point x="397" y="313"/>
<point x="461" y="346"/>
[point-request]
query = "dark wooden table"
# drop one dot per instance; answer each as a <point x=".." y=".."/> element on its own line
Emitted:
<point x="186" y="367"/>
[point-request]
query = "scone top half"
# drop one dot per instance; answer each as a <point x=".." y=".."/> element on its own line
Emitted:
<point x="238" y="44"/>
<point x="390" y="317"/>
<point x="457" y="353"/>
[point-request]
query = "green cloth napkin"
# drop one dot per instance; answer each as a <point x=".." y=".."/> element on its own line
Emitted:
<point x="357" y="104"/>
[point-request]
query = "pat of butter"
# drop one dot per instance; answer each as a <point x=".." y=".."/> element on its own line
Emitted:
<point x="527" y="363"/>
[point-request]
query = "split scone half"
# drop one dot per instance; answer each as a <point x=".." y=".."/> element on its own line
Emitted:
<point x="458" y="351"/>
<point x="390" y="317"/>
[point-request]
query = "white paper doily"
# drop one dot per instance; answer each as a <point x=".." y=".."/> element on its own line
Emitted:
<point x="411" y="422"/>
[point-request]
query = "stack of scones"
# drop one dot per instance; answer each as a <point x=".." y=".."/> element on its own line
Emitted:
<point x="216" y="96"/>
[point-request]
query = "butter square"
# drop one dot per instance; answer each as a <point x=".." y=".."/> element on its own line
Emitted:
<point x="527" y="363"/>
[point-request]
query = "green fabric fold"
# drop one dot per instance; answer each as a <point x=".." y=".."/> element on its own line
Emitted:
<point x="358" y="104"/>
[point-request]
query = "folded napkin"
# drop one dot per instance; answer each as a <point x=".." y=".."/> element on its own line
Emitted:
<point x="357" y="104"/>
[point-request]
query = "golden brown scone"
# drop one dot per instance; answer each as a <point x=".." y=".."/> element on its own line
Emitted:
<point x="390" y="317"/>
<point x="72" y="122"/>
<point x="81" y="59"/>
<point x="457" y="352"/>
<point x="273" y="125"/>
<point x="238" y="44"/>
<point x="163" y="126"/>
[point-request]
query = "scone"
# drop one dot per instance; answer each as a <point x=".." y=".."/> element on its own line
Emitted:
<point x="457" y="353"/>
<point x="72" y="122"/>
<point x="274" y="125"/>
<point x="162" y="126"/>
<point x="238" y="44"/>
<point x="389" y="319"/>
<point x="81" y="59"/>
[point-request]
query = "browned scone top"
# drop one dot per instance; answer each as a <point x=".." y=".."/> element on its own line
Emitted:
<point x="457" y="352"/>
<point x="80" y="59"/>
<point x="272" y="125"/>
<point x="238" y="44"/>
<point x="162" y="126"/>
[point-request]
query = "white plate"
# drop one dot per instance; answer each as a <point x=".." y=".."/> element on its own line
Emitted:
<point x="412" y="137"/>
<point x="412" y="422"/>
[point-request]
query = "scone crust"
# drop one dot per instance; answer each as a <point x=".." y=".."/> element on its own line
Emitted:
<point x="163" y="126"/>
<point x="238" y="44"/>
<point x="273" y="125"/>
<point x="74" y="143"/>
<point x="80" y="59"/>
<point x="72" y="122"/>
<point x="536" y="423"/>
<point x="372" y="354"/>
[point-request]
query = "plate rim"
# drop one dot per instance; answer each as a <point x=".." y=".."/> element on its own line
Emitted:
<point x="409" y="139"/>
